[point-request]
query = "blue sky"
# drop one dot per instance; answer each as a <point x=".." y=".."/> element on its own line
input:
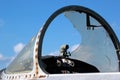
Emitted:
<point x="20" y="20"/>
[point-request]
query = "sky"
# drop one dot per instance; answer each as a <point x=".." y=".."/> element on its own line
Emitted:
<point x="20" y="20"/>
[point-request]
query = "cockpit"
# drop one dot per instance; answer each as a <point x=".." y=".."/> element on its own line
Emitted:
<point x="73" y="40"/>
<point x="66" y="64"/>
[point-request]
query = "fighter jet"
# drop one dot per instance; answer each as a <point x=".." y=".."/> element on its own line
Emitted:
<point x="96" y="57"/>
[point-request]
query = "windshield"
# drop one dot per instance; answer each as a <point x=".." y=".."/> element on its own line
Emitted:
<point x="87" y="38"/>
<point x="24" y="61"/>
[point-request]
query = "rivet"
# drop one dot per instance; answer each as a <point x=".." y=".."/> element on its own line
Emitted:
<point x="30" y="75"/>
<point x="13" y="77"/>
<point x="38" y="36"/>
<point x="36" y="63"/>
<point x="34" y="75"/>
<point x="37" y="43"/>
<point x="25" y="76"/>
<point x="36" y="49"/>
<point x="10" y="77"/>
<point x="37" y="72"/>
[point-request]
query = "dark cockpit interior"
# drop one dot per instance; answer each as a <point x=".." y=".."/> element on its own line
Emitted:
<point x="64" y="64"/>
<point x="57" y="64"/>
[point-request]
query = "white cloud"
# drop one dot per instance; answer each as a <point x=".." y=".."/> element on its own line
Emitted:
<point x="18" y="47"/>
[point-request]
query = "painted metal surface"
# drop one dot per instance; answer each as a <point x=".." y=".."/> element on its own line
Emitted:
<point x="91" y="76"/>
